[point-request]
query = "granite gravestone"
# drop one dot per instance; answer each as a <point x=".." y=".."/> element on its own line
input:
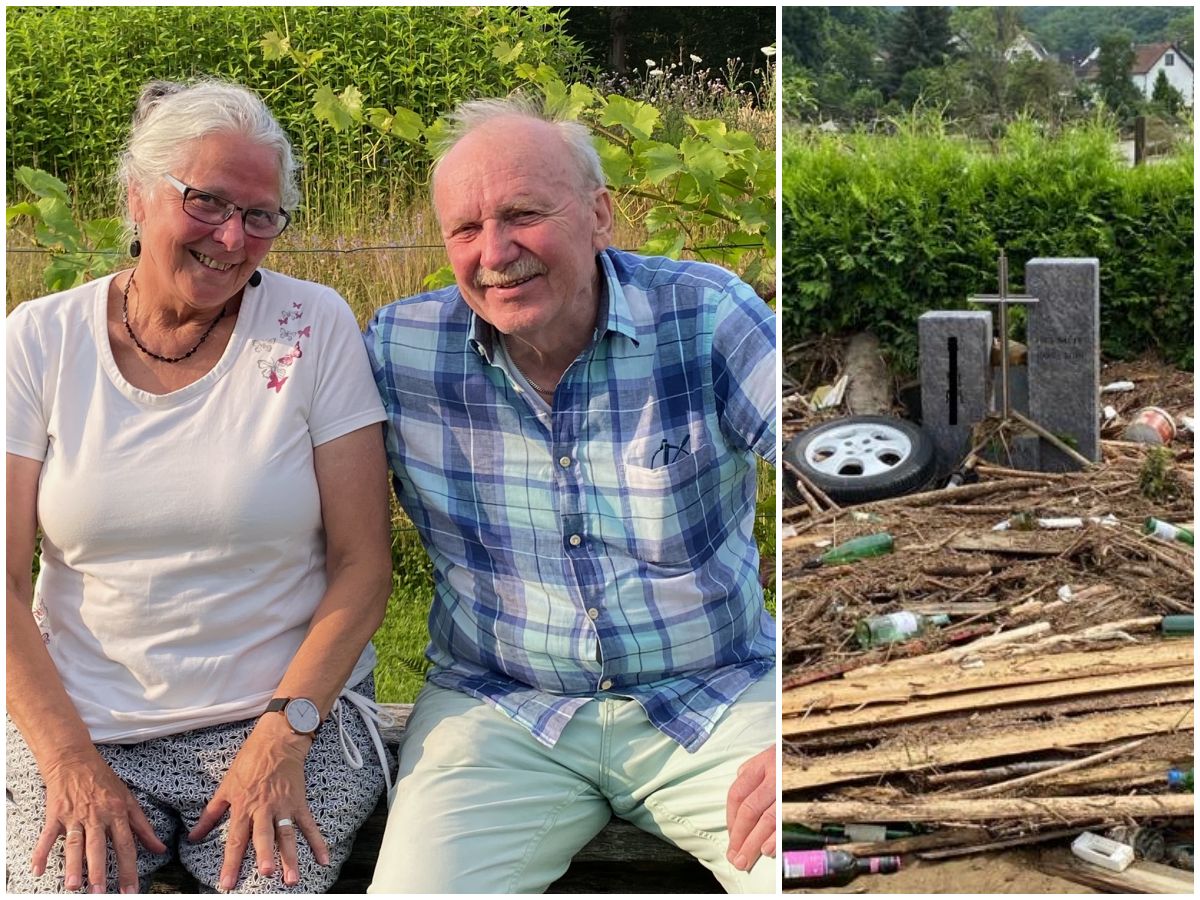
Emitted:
<point x="955" y="350"/>
<point x="1063" y="335"/>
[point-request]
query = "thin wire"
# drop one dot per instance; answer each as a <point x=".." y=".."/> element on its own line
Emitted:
<point x="348" y="251"/>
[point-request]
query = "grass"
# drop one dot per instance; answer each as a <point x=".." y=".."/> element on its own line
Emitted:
<point x="369" y="278"/>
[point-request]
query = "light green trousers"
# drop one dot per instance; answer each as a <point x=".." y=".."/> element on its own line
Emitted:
<point x="482" y="807"/>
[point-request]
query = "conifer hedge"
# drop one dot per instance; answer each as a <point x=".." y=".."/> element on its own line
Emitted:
<point x="879" y="229"/>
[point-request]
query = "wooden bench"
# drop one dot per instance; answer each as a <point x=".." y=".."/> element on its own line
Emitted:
<point x="621" y="859"/>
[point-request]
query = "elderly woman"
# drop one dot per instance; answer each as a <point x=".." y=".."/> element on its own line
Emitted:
<point x="198" y="440"/>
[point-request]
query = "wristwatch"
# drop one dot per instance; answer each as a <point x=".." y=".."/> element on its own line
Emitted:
<point x="302" y="714"/>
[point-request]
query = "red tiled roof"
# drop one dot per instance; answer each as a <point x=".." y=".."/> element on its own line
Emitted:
<point x="1146" y="55"/>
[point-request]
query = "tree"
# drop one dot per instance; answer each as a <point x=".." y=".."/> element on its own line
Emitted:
<point x="1114" y="63"/>
<point x="985" y="35"/>
<point x="920" y="39"/>
<point x="1182" y="30"/>
<point x="618" y="28"/>
<point x="835" y="50"/>
<point x="805" y="36"/>
<point x="671" y="32"/>
<point x="1042" y="88"/>
<point x="1165" y="95"/>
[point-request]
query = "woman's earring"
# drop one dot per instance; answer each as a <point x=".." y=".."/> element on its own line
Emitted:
<point x="135" y="246"/>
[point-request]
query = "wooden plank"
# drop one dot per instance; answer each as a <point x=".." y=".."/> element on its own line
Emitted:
<point x="992" y="642"/>
<point x="1142" y="771"/>
<point x="393" y="716"/>
<point x="1038" y="837"/>
<point x="942" y="837"/>
<point x="1098" y="729"/>
<point x="1140" y="878"/>
<point x="944" y="678"/>
<point x="1016" y="543"/>
<point x="987" y="809"/>
<point x="876" y="714"/>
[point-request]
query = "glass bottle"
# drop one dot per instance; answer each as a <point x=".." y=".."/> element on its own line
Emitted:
<point x="1167" y="532"/>
<point x="876" y="631"/>
<point x="854" y="550"/>
<point x="821" y="868"/>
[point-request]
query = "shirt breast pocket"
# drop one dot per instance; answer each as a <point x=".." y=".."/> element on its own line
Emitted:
<point x="671" y="508"/>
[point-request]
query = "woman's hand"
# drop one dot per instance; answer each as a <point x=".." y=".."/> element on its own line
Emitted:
<point x="87" y="802"/>
<point x="264" y="785"/>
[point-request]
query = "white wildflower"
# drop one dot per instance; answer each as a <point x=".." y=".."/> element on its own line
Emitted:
<point x="694" y="58"/>
<point x="651" y="63"/>
<point x="768" y="51"/>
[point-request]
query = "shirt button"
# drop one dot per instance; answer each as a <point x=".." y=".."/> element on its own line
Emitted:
<point x="593" y="613"/>
<point x="575" y="540"/>
<point x="606" y="684"/>
<point x="564" y="461"/>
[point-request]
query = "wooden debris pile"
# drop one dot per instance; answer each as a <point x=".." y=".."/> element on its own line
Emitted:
<point x="1007" y="740"/>
<point x="948" y="559"/>
<point x="1051" y="704"/>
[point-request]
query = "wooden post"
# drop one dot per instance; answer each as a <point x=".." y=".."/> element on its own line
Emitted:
<point x="1139" y="140"/>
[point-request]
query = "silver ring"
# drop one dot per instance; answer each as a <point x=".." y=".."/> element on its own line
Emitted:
<point x="71" y="831"/>
<point x="284" y="823"/>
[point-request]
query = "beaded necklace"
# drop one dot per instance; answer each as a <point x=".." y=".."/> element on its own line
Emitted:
<point x="151" y="353"/>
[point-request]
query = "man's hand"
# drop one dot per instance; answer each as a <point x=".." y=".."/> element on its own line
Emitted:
<point x="750" y="811"/>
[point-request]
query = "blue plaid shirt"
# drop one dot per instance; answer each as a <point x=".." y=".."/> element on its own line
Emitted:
<point x="604" y="547"/>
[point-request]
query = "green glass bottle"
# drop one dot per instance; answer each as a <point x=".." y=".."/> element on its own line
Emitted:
<point x="802" y="837"/>
<point x="1178" y="626"/>
<point x="853" y="550"/>
<point x="1168" y="532"/>
<point x="895" y="627"/>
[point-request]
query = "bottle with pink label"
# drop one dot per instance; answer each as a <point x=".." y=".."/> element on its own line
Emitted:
<point x="822" y="868"/>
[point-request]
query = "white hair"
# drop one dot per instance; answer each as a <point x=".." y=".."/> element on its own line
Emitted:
<point x="170" y="116"/>
<point x="473" y="114"/>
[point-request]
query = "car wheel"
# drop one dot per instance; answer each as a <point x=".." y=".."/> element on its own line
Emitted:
<point x="862" y="458"/>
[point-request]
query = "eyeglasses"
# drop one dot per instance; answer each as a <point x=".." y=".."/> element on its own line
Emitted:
<point x="213" y="210"/>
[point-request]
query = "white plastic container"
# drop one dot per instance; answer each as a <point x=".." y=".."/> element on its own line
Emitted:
<point x="1103" y="852"/>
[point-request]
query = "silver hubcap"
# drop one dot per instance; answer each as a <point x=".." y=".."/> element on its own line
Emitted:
<point x="858" y="450"/>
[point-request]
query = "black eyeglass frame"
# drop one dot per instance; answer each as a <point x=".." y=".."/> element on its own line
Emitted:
<point x="230" y="209"/>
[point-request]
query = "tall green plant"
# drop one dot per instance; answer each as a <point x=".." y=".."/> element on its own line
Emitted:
<point x="716" y="182"/>
<point x="73" y="75"/>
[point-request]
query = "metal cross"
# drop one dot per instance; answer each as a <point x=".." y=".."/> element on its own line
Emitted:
<point x="1003" y="299"/>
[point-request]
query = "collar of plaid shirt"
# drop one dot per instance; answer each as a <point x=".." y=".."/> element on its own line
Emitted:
<point x="603" y="548"/>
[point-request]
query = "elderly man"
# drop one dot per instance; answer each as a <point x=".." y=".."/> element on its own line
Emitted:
<point x="573" y="430"/>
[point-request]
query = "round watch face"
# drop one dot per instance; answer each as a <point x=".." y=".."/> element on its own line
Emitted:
<point x="302" y="715"/>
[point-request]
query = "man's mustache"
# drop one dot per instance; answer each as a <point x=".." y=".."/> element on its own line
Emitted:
<point x="525" y="267"/>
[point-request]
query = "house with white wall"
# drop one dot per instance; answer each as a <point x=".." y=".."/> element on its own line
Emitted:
<point x="1026" y="46"/>
<point x="1150" y="59"/>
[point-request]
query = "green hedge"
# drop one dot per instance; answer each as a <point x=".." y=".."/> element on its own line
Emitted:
<point x="74" y="74"/>
<point x="879" y="229"/>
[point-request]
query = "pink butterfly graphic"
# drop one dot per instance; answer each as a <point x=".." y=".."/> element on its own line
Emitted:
<point x="274" y="381"/>
<point x="291" y="356"/>
<point x="306" y="331"/>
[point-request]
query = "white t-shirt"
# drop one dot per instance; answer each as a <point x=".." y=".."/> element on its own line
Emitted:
<point x="183" y="552"/>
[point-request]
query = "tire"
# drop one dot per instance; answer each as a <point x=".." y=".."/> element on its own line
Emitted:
<point x="858" y="459"/>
